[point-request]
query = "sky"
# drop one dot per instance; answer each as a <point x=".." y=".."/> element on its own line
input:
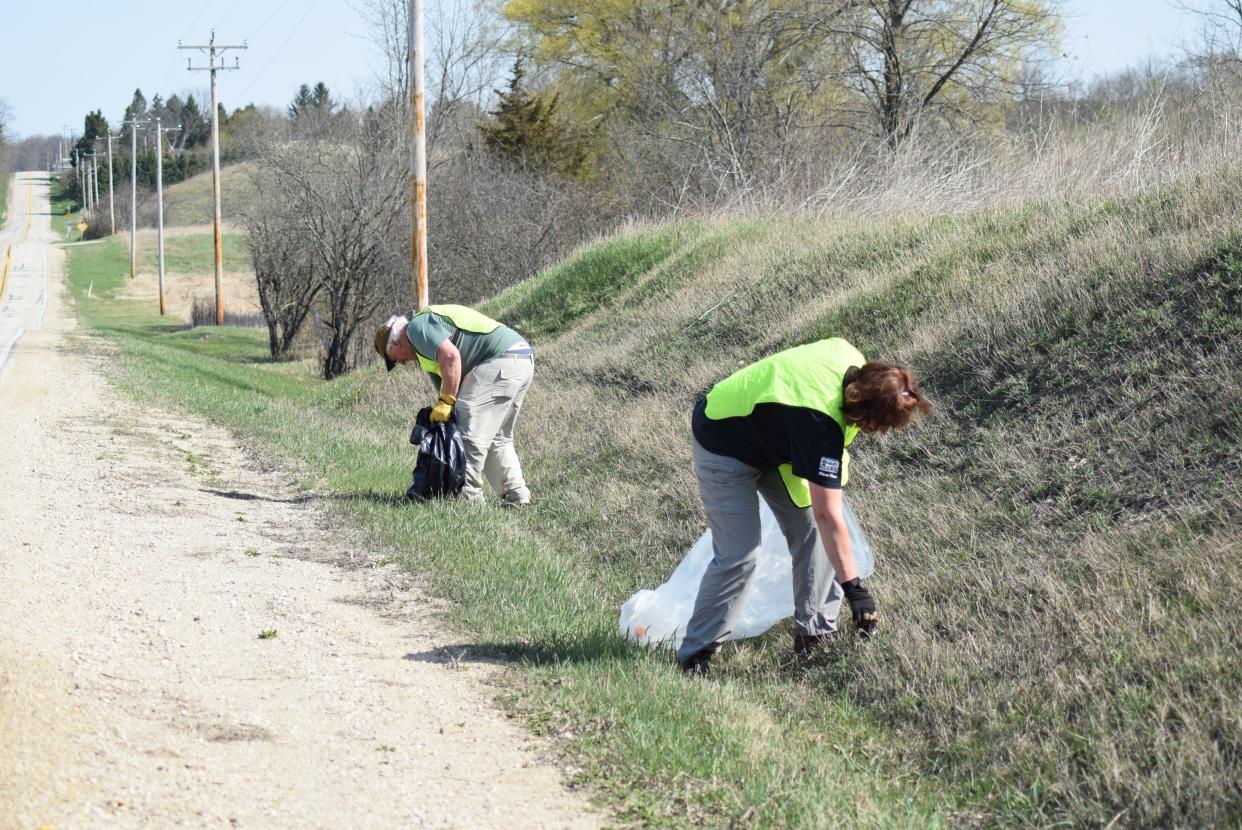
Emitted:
<point x="57" y="66"/>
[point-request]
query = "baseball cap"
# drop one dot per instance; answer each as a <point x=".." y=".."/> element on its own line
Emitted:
<point x="384" y="338"/>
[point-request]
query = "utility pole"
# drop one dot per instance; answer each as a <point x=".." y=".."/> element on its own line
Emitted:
<point x="418" y="159"/>
<point x="111" y="197"/>
<point x="213" y="50"/>
<point x="95" y="176"/>
<point x="133" y="198"/>
<point x="159" y="198"/>
<point x="77" y="165"/>
<point x="90" y="205"/>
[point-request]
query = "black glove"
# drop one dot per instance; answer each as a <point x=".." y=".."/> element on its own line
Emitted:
<point x="863" y="607"/>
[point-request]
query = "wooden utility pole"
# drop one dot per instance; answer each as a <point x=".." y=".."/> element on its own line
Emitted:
<point x="133" y="198"/>
<point x="213" y="51"/>
<point x="77" y="164"/>
<point x="159" y="199"/>
<point x="86" y="162"/>
<point x="418" y="159"/>
<point x="111" y="198"/>
<point x="90" y="201"/>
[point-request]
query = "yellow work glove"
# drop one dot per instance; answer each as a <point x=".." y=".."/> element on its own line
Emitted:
<point x="443" y="410"/>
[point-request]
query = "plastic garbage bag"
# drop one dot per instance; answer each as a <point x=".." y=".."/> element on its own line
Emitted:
<point x="441" y="467"/>
<point x="659" y="617"/>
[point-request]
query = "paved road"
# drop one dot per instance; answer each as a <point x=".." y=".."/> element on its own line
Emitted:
<point x="23" y="262"/>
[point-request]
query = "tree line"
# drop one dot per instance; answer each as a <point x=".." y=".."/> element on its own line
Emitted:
<point x="551" y="122"/>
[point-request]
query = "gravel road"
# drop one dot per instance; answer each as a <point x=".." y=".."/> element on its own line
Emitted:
<point x="141" y="555"/>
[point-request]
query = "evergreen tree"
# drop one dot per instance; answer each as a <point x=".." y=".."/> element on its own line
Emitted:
<point x="137" y="109"/>
<point x="526" y="129"/>
<point x="93" y="126"/>
<point x="311" y="102"/>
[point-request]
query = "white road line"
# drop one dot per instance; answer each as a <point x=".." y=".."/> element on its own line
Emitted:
<point x="43" y="291"/>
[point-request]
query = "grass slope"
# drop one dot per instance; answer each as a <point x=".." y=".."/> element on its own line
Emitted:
<point x="190" y="202"/>
<point x="1057" y="554"/>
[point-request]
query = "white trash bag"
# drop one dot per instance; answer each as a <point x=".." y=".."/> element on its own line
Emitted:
<point x="660" y="617"/>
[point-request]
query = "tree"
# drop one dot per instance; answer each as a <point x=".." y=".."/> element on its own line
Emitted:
<point x="137" y="109"/>
<point x="741" y="82"/>
<point x="527" y="130"/>
<point x="730" y="88"/>
<point x="951" y="61"/>
<point x="345" y="192"/>
<point x="466" y="59"/>
<point x="311" y="103"/>
<point x="1220" y="33"/>
<point x="94" y="126"/>
<point x="284" y="268"/>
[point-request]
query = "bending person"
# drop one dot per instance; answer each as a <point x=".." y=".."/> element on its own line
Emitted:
<point x="780" y="428"/>
<point x="482" y="370"/>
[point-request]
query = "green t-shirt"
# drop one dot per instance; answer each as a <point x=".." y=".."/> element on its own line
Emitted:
<point x="428" y="330"/>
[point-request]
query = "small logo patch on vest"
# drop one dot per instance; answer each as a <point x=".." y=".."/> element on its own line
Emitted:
<point x="830" y="467"/>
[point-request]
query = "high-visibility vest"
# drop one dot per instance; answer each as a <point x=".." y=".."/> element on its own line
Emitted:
<point x="810" y="376"/>
<point x="466" y="319"/>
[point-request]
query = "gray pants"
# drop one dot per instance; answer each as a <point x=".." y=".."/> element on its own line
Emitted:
<point x="487" y="409"/>
<point x="728" y="488"/>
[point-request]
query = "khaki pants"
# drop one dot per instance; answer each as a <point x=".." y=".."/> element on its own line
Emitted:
<point x="729" y="489"/>
<point x="487" y="409"/>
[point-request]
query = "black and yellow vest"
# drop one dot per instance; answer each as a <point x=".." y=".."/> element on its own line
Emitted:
<point x="810" y="376"/>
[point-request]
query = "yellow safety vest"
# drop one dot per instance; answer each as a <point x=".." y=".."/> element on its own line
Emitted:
<point x="466" y="319"/>
<point x="810" y="376"/>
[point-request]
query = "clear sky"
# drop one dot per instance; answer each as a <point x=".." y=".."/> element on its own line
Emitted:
<point x="56" y="64"/>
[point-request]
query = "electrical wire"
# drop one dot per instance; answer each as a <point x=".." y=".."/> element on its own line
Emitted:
<point x="269" y="19"/>
<point x="176" y="52"/>
<point x="270" y="63"/>
<point x="232" y="8"/>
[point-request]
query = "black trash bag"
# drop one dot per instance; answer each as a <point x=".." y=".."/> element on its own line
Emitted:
<point x="440" y="471"/>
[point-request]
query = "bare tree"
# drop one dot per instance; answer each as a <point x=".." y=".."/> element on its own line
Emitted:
<point x="466" y="46"/>
<point x="910" y="60"/>
<point x="497" y="223"/>
<point x="347" y="195"/>
<point x="1220" y="34"/>
<point x="284" y="268"/>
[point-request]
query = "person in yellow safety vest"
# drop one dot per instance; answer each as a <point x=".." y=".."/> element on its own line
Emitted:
<point x="482" y="370"/>
<point x="780" y="428"/>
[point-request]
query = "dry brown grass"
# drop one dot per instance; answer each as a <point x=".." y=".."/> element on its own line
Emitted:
<point x="1057" y="546"/>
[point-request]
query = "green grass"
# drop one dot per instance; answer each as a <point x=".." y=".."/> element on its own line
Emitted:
<point x="62" y="218"/>
<point x="191" y="202"/>
<point x="193" y="253"/>
<point x="1057" y="556"/>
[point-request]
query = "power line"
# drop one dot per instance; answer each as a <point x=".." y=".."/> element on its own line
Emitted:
<point x="270" y="18"/>
<point x="281" y="49"/>
<point x="232" y="8"/>
<point x="188" y="29"/>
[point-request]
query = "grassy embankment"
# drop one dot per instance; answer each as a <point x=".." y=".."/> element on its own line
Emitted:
<point x="1057" y="555"/>
<point x="190" y="202"/>
<point x="187" y="253"/>
<point x="4" y="196"/>
<point x="63" y="218"/>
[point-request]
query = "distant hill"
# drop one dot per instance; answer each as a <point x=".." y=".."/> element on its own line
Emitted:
<point x="189" y="202"/>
